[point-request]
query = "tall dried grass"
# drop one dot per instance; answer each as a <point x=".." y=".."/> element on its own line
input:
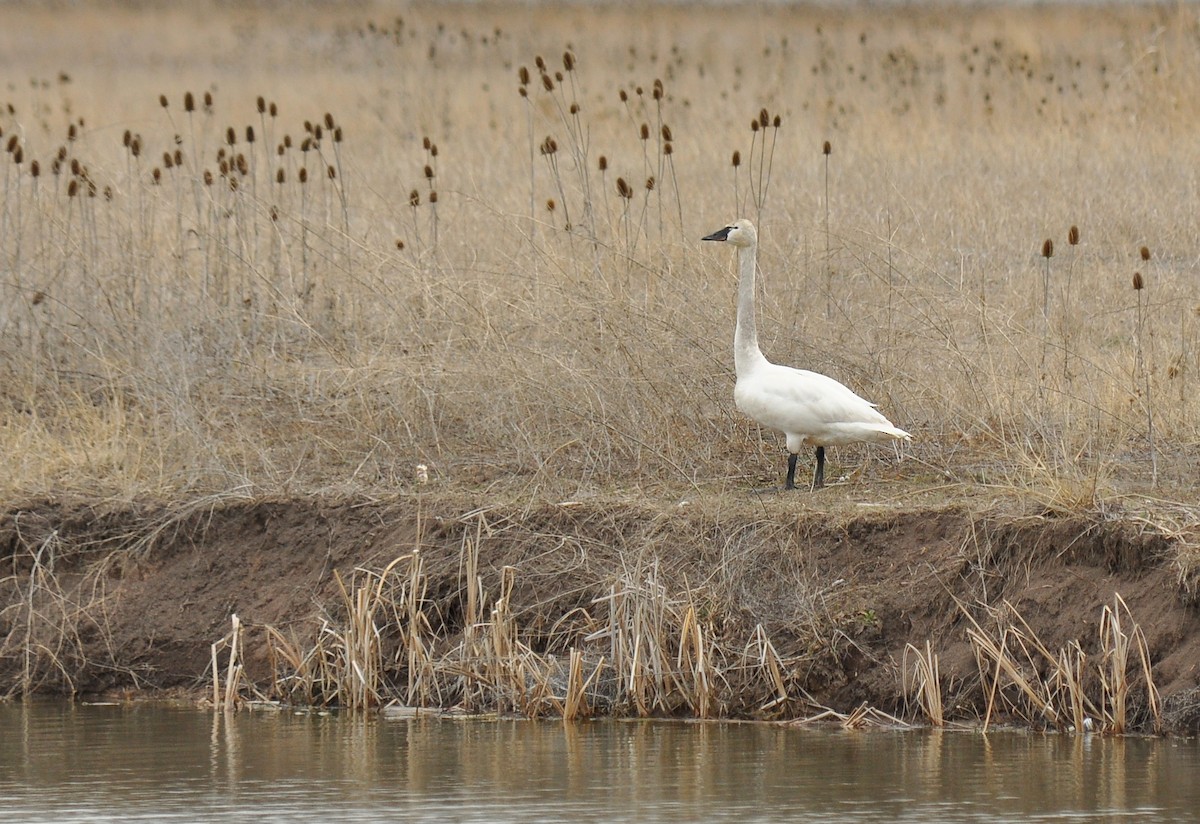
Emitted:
<point x="240" y="295"/>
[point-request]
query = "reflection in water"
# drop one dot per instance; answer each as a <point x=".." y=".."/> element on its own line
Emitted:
<point x="145" y="762"/>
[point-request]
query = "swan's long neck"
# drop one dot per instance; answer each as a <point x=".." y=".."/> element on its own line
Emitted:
<point x="746" y="354"/>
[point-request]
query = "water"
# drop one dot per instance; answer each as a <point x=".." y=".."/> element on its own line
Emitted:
<point x="63" y="762"/>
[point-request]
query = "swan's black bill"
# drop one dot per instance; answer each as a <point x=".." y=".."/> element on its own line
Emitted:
<point x="720" y="234"/>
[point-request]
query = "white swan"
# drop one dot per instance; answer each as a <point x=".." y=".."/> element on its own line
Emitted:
<point x="807" y="407"/>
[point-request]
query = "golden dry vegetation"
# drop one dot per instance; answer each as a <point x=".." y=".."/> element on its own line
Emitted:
<point x="368" y="244"/>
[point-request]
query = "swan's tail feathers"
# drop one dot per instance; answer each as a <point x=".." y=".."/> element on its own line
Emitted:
<point x="895" y="432"/>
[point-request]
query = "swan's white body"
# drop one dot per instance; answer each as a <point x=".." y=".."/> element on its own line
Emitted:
<point x="807" y="407"/>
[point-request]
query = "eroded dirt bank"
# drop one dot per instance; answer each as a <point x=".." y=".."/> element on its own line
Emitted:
<point x="132" y="599"/>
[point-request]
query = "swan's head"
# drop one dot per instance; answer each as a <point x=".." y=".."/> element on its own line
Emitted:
<point x="740" y="234"/>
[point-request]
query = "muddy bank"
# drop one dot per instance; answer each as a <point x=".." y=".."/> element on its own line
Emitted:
<point x="747" y="608"/>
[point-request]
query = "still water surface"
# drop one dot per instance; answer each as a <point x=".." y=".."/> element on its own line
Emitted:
<point x="63" y="762"/>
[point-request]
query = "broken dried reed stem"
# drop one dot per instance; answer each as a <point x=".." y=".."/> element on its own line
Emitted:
<point x="229" y="698"/>
<point x="922" y="680"/>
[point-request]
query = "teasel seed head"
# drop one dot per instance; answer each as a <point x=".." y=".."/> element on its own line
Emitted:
<point x="208" y="177"/>
<point x="433" y="196"/>
<point x="249" y="134"/>
<point x="168" y="161"/>
<point x="777" y="122"/>
<point x="306" y="145"/>
<point x="426" y="143"/>
<point x="76" y="168"/>
<point x="550" y="205"/>
<point x="754" y="126"/>
<point x="337" y="135"/>
<point x="287" y="142"/>
<point x="189" y="102"/>
<point x="127" y="138"/>
<point x="19" y="156"/>
<point x="108" y="193"/>
<point x="1145" y="253"/>
<point x="274" y="214"/>
<point x="764" y="118"/>
<point x="603" y="163"/>
<point x="72" y="133"/>
<point x="414" y="198"/>
<point x="666" y="132"/>
<point x="272" y="109"/>
<point x="178" y="157"/>
<point x="623" y="188"/>
<point x="827" y="149"/>
<point x="547" y="83"/>
<point x="262" y="105"/>
<point x="1048" y="248"/>
<point x="328" y="120"/>
<point x="162" y="100"/>
<point x="303" y="174"/>
<point x="242" y="166"/>
<point x="135" y="147"/>
<point x="233" y="184"/>
<point x="11" y="146"/>
<point x="667" y="149"/>
<point x="35" y="168"/>
<point x="539" y="63"/>
<point x="331" y="173"/>
<point x="318" y="132"/>
<point x="1073" y="236"/>
<point x="645" y="131"/>
<point x="399" y="244"/>
<point x="650" y="183"/>
<point x="523" y="76"/>
<point x="623" y="95"/>
<point x="574" y="108"/>
<point x="1138" y="283"/>
<point x="231" y="136"/>
<point x="280" y="175"/>
<point x="157" y="175"/>
<point x="568" y="61"/>
<point x="428" y="172"/>
<point x="73" y="188"/>
<point x="521" y="91"/>
<point x="737" y="158"/>
<point x="208" y="100"/>
<point x="657" y="93"/>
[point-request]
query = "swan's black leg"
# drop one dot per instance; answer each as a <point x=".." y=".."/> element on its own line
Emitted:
<point x="791" y="476"/>
<point x="819" y="476"/>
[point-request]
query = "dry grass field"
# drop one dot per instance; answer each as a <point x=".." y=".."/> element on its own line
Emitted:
<point x="187" y="315"/>
<point x="435" y="259"/>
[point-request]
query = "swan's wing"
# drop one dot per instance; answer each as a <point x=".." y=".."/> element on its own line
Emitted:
<point x="812" y="406"/>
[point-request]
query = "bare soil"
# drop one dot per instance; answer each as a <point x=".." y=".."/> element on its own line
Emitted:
<point x="146" y="590"/>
